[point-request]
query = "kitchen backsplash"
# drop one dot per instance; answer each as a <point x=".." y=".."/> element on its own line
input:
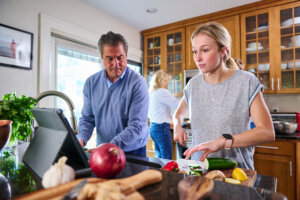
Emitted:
<point x="283" y="102"/>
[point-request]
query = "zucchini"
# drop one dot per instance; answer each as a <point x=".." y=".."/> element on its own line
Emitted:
<point x="219" y="163"/>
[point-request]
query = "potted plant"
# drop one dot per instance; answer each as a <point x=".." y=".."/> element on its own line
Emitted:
<point x="19" y="111"/>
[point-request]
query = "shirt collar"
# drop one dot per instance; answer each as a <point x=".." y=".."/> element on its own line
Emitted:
<point x="109" y="83"/>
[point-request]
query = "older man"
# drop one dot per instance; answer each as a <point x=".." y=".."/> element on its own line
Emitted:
<point x="115" y="101"/>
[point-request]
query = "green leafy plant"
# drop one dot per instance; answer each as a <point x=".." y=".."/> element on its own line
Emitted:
<point x="19" y="111"/>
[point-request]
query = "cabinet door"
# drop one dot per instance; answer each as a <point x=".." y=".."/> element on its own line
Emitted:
<point x="232" y="24"/>
<point x="256" y="46"/>
<point x="174" y="44"/>
<point x="288" y="74"/>
<point x="153" y="57"/>
<point x="281" y="167"/>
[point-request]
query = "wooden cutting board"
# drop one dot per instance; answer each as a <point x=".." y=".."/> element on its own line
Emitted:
<point x="129" y="186"/>
<point x="251" y="174"/>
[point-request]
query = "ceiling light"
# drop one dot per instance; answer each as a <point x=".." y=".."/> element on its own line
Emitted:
<point x="151" y="10"/>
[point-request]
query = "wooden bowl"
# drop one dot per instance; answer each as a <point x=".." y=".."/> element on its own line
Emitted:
<point x="5" y="132"/>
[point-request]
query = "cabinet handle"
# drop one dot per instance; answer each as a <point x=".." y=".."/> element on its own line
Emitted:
<point x="291" y="168"/>
<point x="278" y="84"/>
<point x="272" y="83"/>
<point x="267" y="147"/>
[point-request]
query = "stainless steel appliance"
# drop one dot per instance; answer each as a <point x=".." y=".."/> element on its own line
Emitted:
<point x="287" y="117"/>
<point x="181" y="149"/>
<point x="188" y="74"/>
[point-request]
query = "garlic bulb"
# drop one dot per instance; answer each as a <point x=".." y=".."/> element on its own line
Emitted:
<point x="58" y="173"/>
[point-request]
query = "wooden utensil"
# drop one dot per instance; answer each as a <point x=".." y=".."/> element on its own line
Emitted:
<point x="129" y="186"/>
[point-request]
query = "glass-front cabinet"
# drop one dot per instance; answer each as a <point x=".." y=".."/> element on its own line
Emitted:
<point x="154" y="57"/>
<point x="166" y="51"/>
<point x="175" y="59"/>
<point x="289" y="47"/>
<point x="270" y="44"/>
<point x="256" y="47"/>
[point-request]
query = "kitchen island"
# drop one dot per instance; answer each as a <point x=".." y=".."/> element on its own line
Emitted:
<point x="22" y="182"/>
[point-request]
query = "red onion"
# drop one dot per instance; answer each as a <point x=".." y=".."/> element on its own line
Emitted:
<point x="107" y="160"/>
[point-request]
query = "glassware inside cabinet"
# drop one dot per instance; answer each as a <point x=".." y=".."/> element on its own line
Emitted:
<point x="153" y="56"/>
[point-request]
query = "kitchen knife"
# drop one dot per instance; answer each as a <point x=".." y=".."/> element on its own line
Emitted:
<point x="75" y="191"/>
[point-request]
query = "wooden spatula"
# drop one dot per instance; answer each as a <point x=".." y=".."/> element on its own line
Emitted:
<point x="129" y="185"/>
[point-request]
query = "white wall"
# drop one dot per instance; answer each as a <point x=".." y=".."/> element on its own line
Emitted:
<point x="24" y="14"/>
<point x="283" y="102"/>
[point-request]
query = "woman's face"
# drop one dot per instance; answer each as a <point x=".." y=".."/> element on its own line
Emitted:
<point x="206" y="53"/>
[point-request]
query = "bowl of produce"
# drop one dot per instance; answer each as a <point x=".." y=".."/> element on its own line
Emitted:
<point x="285" y="127"/>
<point x="5" y="132"/>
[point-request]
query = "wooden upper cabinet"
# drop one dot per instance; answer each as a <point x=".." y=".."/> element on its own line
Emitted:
<point x="288" y="71"/>
<point x="270" y="49"/>
<point x="257" y="48"/>
<point x="166" y="51"/>
<point x="174" y="59"/>
<point x="153" y="56"/>
<point x="232" y="24"/>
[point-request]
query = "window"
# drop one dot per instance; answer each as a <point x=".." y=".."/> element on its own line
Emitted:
<point x="137" y="67"/>
<point x="75" y="62"/>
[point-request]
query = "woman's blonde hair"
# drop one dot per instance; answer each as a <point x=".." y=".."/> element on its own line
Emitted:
<point x="157" y="81"/>
<point x="220" y="34"/>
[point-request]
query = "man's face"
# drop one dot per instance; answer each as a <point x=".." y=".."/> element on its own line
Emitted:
<point x="115" y="61"/>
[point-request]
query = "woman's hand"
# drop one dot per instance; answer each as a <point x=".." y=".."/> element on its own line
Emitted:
<point x="180" y="135"/>
<point x="207" y="147"/>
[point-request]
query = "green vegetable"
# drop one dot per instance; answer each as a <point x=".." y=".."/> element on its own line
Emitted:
<point x="19" y="111"/>
<point x="195" y="173"/>
<point x="219" y="163"/>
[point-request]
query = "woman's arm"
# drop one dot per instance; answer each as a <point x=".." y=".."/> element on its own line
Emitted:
<point x="179" y="133"/>
<point x="262" y="133"/>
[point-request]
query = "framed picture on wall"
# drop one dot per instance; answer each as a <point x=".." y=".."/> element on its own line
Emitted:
<point x="15" y="47"/>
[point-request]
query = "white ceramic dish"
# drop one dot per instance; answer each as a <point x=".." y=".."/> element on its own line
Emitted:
<point x="297" y="65"/>
<point x="284" y="65"/>
<point x="250" y="49"/>
<point x="264" y="67"/>
<point x="290" y="21"/>
<point x="253" y="44"/>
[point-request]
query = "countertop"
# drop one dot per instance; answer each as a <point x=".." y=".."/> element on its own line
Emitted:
<point x="21" y="180"/>
<point x="295" y="136"/>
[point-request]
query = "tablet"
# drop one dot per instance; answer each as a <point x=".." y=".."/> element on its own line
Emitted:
<point x="53" y="139"/>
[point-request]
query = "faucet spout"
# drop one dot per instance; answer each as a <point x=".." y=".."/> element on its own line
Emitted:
<point x="66" y="99"/>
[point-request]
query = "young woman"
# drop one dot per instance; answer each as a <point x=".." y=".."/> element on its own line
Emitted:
<point x="160" y="106"/>
<point x="221" y="101"/>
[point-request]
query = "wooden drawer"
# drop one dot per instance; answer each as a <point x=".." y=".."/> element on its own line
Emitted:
<point x="277" y="148"/>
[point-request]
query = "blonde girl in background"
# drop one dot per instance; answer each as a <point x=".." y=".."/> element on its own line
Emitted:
<point x="221" y="101"/>
<point x="161" y="104"/>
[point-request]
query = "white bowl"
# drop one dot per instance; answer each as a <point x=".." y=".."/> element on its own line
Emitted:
<point x="297" y="20"/>
<point x="284" y="65"/>
<point x="297" y="65"/>
<point x="287" y="22"/>
<point x="264" y="67"/>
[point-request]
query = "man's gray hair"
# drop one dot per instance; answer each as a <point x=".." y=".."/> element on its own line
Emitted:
<point x="112" y="39"/>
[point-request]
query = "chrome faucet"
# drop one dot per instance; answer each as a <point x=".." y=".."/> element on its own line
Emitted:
<point x="67" y="100"/>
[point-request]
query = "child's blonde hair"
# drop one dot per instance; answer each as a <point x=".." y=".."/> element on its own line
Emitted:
<point x="158" y="80"/>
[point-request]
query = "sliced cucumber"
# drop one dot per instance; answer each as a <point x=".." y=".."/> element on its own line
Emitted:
<point x="219" y="163"/>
